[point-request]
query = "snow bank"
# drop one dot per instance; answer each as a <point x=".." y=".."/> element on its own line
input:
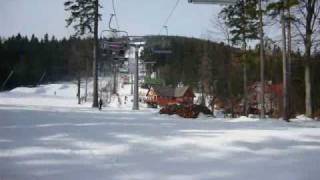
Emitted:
<point x="302" y="118"/>
<point x="244" y="119"/>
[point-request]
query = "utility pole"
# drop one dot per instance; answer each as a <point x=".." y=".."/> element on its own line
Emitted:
<point x="262" y="112"/>
<point x="115" y="79"/>
<point x="136" y="43"/>
<point x="136" y="81"/>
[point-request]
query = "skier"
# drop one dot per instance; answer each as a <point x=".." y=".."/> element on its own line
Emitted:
<point x="125" y="99"/>
<point x="100" y="104"/>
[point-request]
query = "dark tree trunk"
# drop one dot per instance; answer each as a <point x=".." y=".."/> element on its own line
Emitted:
<point x="95" y="55"/>
<point x="290" y="108"/>
<point x="262" y="113"/>
<point x="87" y="74"/>
<point x="308" y="101"/>
<point x="284" y="69"/>
<point x="308" y="44"/>
<point x="78" y="86"/>
<point x="245" y="90"/>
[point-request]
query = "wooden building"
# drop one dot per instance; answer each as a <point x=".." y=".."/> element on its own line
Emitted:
<point x="273" y="98"/>
<point x="162" y="96"/>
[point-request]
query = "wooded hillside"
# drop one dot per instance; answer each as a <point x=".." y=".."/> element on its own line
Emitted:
<point x="209" y="67"/>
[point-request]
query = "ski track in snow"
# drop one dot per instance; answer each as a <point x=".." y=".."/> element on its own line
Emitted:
<point x="48" y="137"/>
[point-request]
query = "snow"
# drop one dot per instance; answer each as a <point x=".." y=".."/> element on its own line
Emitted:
<point x="62" y="95"/>
<point x="46" y="136"/>
<point x="244" y="119"/>
<point x="301" y="118"/>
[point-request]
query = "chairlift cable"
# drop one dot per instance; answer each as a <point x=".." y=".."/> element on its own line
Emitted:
<point x="170" y="15"/>
<point x="110" y="20"/>
<point x="115" y="14"/>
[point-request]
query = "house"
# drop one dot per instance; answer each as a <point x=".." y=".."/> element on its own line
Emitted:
<point x="273" y="97"/>
<point x="162" y="96"/>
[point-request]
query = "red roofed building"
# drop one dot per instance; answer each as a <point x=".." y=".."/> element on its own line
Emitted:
<point x="162" y="96"/>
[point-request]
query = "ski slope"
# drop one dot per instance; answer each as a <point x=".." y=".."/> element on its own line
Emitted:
<point x="56" y="95"/>
<point x="45" y="134"/>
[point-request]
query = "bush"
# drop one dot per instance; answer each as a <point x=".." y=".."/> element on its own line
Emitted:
<point x="185" y="111"/>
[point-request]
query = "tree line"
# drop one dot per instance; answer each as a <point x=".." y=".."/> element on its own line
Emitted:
<point x="244" y="21"/>
<point x="41" y="60"/>
<point x="222" y="71"/>
<point x="217" y="68"/>
<point x="299" y="22"/>
<point x="214" y="68"/>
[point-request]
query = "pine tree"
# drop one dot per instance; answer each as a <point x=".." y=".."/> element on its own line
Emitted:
<point x="242" y="18"/>
<point x="84" y="15"/>
<point x="282" y="9"/>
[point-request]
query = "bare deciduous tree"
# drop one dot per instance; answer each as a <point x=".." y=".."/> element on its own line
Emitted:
<point x="308" y="26"/>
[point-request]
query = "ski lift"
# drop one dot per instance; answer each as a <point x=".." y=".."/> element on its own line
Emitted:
<point x="164" y="46"/>
<point x="137" y="41"/>
<point x="115" y="46"/>
<point x="117" y="42"/>
<point x="161" y="51"/>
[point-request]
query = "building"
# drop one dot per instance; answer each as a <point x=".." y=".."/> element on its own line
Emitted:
<point x="162" y="96"/>
<point x="273" y="98"/>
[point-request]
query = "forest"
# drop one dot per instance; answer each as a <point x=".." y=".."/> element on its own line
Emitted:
<point x="209" y="67"/>
<point x="224" y="71"/>
<point x="216" y="68"/>
<point x="34" y="60"/>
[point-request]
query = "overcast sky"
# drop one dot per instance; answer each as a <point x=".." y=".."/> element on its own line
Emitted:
<point x="138" y="17"/>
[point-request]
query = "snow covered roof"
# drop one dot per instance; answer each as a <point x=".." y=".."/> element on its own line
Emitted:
<point x="180" y="91"/>
<point x="164" y="91"/>
<point x="167" y="91"/>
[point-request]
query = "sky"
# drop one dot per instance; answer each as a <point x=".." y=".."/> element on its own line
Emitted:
<point x="138" y="17"/>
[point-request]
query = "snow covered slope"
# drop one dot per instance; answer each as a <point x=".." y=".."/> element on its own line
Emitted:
<point x="46" y="135"/>
<point x="54" y="95"/>
<point x="64" y="94"/>
<point x="121" y="145"/>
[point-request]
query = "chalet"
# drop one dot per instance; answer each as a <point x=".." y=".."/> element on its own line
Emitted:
<point x="162" y="96"/>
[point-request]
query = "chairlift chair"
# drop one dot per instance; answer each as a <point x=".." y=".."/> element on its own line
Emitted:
<point x="163" y="47"/>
